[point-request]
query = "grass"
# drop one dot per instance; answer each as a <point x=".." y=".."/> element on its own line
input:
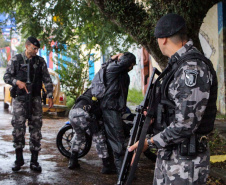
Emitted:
<point x="135" y="96"/>
<point x="216" y="143"/>
<point x="220" y="116"/>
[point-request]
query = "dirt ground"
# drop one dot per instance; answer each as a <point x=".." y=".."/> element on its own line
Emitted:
<point x="54" y="165"/>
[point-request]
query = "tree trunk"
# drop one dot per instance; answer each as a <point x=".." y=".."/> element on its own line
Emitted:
<point x="139" y="21"/>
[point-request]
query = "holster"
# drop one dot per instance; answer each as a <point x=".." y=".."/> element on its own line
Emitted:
<point x="21" y="98"/>
<point x="13" y="91"/>
<point x="192" y="146"/>
<point x="93" y="123"/>
<point x="94" y="126"/>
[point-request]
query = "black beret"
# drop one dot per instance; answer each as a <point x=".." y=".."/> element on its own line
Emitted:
<point x="168" y="25"/>
<point x="34" y="41"/>
<point x="127" y="56"/>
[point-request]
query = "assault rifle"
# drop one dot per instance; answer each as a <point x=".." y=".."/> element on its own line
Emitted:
<point x="29" y="94"/>
<point x="139" y="130"/>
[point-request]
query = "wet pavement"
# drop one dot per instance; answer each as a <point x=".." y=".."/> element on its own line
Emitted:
<point x="54" y="165"/>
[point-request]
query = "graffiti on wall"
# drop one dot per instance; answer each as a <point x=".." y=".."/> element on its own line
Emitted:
<point x="207" y="46"/>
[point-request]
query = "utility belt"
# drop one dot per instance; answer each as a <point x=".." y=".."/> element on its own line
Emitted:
<point x="189" y="148"/>
<point x="12" y="91"/>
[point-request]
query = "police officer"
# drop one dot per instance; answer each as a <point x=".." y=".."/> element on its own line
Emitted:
<point x="85" y="116"/>
<point x="114" y="102"/>
<point x="16" y="75"/>
<point x="187" y="108"/>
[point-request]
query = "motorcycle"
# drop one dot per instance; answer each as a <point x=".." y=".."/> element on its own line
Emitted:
<point x="66" y="133"/>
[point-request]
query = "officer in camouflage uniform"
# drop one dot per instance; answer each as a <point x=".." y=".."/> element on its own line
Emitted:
<point x="187" y="108"/>
<point x="16" y="75"/>
<point x="84" y="117"/>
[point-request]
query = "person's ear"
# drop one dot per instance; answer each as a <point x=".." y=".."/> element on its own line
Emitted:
<point x="164" y="41"/>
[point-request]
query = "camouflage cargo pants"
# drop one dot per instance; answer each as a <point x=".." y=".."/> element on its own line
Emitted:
<point x="178" y="171"/>
<point x="19" y="126"/>
<point x="80" y="125"/>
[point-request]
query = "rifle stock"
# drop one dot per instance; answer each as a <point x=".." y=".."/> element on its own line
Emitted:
<point x="139" y="122"/>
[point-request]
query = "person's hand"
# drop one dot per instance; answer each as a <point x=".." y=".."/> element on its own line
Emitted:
<point x="50" y="102"/>
<point x="21" y="85"/>
<point x="134" y="147"/>
<point x="145" y="112"/>
<point x="116" y="57"/>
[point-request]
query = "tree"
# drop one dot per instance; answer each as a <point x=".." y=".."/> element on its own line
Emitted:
<point x="74" y="71"/>
<point x="139" y="19"/>
<point x="66" y="21"/>
<point x="82" y="21"/>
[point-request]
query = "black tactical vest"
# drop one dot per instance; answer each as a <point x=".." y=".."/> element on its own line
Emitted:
<point x="86" y="99"/>
<point x="165" y="112"/>
<point x="35" y="74"/>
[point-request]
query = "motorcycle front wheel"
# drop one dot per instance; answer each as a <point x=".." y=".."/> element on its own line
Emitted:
<point x="63" y="142"/>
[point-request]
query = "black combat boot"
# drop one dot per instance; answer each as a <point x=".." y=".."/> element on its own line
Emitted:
<point x="73" y="161"/>
<point x="34" y="165"/>
<point x="108" y="166"/>
<point x="19" y="160"/>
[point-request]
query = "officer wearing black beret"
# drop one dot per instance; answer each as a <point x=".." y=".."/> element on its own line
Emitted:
<point x="16" y="75"/>
<point x="168" y="25"/>
<point x="188" y="108"/>
<point x="34" y="41"/>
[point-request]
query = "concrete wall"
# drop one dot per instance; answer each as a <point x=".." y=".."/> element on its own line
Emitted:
<point x="211" y="38"/>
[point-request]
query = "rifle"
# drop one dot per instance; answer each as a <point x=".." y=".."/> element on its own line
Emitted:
<point x="139" y="130"/>
<point x="29" y="94"/>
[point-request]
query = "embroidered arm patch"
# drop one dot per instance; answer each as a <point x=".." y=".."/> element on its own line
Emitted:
<point x="190" y="77"/>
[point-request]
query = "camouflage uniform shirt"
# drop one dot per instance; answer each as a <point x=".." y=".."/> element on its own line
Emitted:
<point x="10" y="74"/>
<point x="190" y="91"/>
<point x="187" y="113"/>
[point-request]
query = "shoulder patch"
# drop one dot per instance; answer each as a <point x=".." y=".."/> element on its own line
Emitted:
<point x="190" y="77"/>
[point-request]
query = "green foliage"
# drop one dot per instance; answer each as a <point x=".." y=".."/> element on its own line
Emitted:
<point x="67" y="21"/>
<point x="21" y="47"/>
<point x="70" y="102"/>
<point x="135" y="96"/>
<point x="74" y="76"/>
<point x="220" y="116"/>
<point x="139" y="19"/>
<point x="104" y="23"/>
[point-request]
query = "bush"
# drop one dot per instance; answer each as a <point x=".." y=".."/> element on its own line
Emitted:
<point x="70" y="102"/>
<point x="73" y="70"/>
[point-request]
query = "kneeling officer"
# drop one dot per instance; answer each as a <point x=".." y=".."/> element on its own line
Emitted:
<point x="85" y="116"/>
